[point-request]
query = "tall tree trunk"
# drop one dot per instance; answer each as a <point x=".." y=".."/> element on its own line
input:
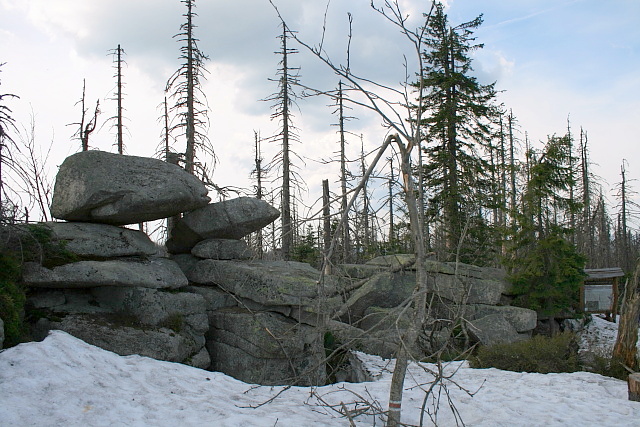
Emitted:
<point x="119" y="124"/>
<point x="419" y="300"/>
<point x="346" y="241"/>
<point x="190" y="124"/>
<point x="287" y="237"/>
<point x="258" y="160"/>
<point x="326" y="215"/>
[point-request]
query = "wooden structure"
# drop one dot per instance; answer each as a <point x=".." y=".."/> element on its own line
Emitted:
<point x="599" y="292"/>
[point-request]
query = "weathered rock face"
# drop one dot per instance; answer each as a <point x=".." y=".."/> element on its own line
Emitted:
<point x="522" y="319"/>
<point x="224" y="249"/>
<point x="153" y="273"/>
<point x="266" y="348"/>
<point x="128" y="320"/>
<point x="115" y="189"/>
<point x="477" y="293"/>
<point x="231" y="219"/>
<point x="269" y="283"/>
<point x="266" y="320"/>
<point x="158" y="343"/>
<point x="493" y="329"/>
<point x="384" y="290"/>
<point x="101" y="240"/>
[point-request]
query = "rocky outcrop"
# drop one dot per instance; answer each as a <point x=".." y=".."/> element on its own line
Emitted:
<point x="128" y="320"/>
<point x="478" y="294"/>
<point x="493" y="329"/>
<point x="224" y="249"/>
<point x="153" y="273"/>
<point x="98" y="241"/>
<point x="266" y="319"/>
<point x="269" y="283"/>
<point x="266" y="348"/>
<point x="114" y="334"/>
<point x="231" y="219"/>
<point x="102" y="187"/>
<point x="383" y="289"/>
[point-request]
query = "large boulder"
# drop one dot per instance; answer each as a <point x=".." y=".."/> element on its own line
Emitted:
<point x="522" y="319"/>
<point x="231" y="219"/>
<point x="269" y="283"/>
<point x="120" y="336"/>
<point x="154" y="273"/>
<point x="493" y="329"/>
<point x="469" y="290"/>
<point x="90" y="240"/>
<point x="222" y="249"/>
<point x="102" y="187"/>
<point x="266" y="348"/>
<point x="183" y="310"/>
<point x="384" y="290"/>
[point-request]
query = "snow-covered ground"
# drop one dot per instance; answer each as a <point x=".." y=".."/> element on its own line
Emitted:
<point x="63" y="381"/>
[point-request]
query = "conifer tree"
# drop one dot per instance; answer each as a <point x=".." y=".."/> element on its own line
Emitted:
<point x="461" y="112"/>
<point x="545" y="267"/>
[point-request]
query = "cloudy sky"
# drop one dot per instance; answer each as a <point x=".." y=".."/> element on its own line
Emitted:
<point x="553" y="59"/>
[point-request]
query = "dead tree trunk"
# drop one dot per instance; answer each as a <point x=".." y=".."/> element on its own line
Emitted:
<point x="625" y="350"/>
<point x="326" y="214"/>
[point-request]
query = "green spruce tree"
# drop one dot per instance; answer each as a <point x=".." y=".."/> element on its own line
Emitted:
<point x="459" y="115"/>
<point x="545" y="267"/>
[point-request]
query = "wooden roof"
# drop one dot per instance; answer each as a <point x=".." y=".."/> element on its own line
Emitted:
<point x="603" y="273"/>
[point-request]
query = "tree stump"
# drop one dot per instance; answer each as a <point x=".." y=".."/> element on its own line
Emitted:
<point x="634" y="387"/>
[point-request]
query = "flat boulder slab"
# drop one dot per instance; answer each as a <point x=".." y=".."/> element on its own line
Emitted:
<point x="493" y="329"/>
<point x="225" y="249"/>
<point x="155" y="273"/>
<point x="266" y="348"/>
<point x="88" y="240"/>
<point x="102" y="187"/>
<point x="231" y="219"/>
<point x="269" y="283"/>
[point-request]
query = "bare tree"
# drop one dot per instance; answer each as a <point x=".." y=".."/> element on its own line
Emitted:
<point x="31" y="174"/>
<point x="7" y="124"/>
<point x="86" y="125"/>
<point x="283" y="100"/>
<point x="405" y="123"/>
<point x="190" y="107"/>
<point x="259" y="173"/>
<point x="118" y="59"/>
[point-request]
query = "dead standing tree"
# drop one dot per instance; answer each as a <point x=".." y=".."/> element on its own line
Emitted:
<point x="283" y="100"/>
<point x="406" y="124"/>
<point x="184" y="88"/>
<point x="118" y="59"/>
<point x="7" y="123"/>
<point x="86" y="126"/>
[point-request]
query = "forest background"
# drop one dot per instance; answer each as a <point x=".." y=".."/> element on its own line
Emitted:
<point x="558" y="67"/>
